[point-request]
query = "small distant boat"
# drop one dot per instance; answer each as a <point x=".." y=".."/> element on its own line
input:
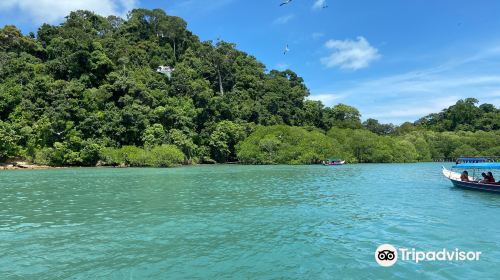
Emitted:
<point x="475" y="166"/>
<point x="334" y="161"/>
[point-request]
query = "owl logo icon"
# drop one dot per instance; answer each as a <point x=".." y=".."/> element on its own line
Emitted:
<point x="386" y="255"/>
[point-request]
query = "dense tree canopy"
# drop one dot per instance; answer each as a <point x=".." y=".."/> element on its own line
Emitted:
<point x="87" y="90"/>
<point x="465" y="115"/>
<point x="285" y="144"/>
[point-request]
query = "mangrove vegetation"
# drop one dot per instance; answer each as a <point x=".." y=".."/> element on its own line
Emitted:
<point x="86" y="92"/>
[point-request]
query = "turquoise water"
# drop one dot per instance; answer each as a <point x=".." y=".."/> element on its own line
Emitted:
<point x="241" y="222"/>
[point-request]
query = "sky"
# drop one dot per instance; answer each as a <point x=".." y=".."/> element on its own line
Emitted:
<point x="394" y="60"/>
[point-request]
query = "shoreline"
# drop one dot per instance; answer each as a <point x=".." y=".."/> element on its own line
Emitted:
<point x="21" y="165"/>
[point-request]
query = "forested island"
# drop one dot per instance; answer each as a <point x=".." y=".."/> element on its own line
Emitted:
<point x="86" y="92"/>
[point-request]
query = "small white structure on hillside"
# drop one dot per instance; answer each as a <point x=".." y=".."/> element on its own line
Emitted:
<point x="165" y="70"/>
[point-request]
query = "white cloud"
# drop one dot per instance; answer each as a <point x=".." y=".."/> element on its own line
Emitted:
<point x="326" y="98"/>
<point x="318" y="4"/>
<point x="350" y="54"/>
<point x="412" y="95"/>
<point x="52" y="11"/>
<point x="410" y="110"/>
<point x="284" y="19"/>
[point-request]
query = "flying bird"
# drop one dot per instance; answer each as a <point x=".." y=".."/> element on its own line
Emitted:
<point x="285" y="2"/>
<point x="286" y="49"/>
<point x="320" y="4"/>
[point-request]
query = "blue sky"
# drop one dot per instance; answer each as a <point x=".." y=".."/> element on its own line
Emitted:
<point x="395" y="60"/>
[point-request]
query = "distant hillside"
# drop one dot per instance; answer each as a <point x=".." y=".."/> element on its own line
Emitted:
<point x="464" y="115"/>
<point x="72" y="90"/>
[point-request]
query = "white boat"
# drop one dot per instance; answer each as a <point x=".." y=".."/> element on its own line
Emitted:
<point x="473" y="184"/>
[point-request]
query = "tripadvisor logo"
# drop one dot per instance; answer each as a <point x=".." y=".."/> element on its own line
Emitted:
<point x="387" y="255"/>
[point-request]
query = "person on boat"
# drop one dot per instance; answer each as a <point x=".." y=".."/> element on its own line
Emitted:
<point x="485" y="178"/>
<point x="491" y="179"/>
<point x="464" y="176"/>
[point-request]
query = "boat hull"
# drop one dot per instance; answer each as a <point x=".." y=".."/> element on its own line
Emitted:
<point x="334" y="163"/>
<point x="455" y="180"/>
<point x="476" y="186"/>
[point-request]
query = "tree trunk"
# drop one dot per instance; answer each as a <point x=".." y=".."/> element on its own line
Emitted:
<point x="220" y="81"/>
<point x="175" y="55"/>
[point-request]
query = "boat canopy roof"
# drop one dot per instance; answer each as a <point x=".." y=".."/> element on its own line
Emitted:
<point x="473" y="159"/>
<point x="480" y="165"/>
<point x="334" y="159"/>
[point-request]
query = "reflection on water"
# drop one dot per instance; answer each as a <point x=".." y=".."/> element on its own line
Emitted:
<point x="299" y="222"/>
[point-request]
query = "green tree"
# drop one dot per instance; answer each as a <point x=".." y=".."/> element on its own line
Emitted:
<point x="281" y="144"/>
<point x="223" y="140"/>
<point x="343" y="116"/>
<point x="375" y="126"/>
<point x="165" y="156"/>
<point x="8" y="144"/>
<point x="87" y="90"/>
<point x="154" y="136"/>
<point x="184" y="142"/>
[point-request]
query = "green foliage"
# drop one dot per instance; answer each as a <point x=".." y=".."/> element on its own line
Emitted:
<point x="281" y="144"/>
<point x="378" y="128"/>
<point x="366" y="146"/>
<point x="153" y="136"/>
<point x="91" y="82"/>
<point x="159" y="156"/>
<point x="165" y="156"/>
<point x="112" y="156"/>
<point x="74" y="152"/>
<point x="343" y="116"/>
<point x="8" y="142"/>
<point x="465" y="115"/>
<point x="223" y="140"/>
<point x="404" y="151"/>
<point x="184" y="143"/>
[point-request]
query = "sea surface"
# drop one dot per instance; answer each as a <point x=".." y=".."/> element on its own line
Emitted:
<point x="241" y="222"/>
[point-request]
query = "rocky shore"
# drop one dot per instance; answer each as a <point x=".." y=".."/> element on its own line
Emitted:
<point x="22" y="165"/>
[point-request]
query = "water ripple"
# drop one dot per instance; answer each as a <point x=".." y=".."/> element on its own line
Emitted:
<point x="239" y="222"/>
